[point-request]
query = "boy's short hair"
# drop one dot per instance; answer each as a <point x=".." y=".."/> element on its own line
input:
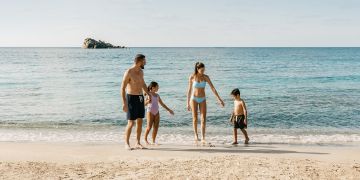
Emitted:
<point x="235" y="92"/>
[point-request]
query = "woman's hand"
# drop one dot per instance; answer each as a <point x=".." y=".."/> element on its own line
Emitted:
<point x="171" y="112"/>
<point x="188" y="107"/>
<point x="221" y="102"/>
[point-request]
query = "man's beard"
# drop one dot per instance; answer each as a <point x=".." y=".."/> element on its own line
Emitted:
<point x="142" y="66"/>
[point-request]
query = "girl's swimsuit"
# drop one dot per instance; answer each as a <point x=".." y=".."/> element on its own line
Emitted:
<point x="153" y="107"/>
<point x="200" y="84"/>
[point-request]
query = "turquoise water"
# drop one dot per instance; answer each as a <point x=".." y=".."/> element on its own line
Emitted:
<point x="294" y="95"/>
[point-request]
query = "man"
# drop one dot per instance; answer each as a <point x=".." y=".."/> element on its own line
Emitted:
<point x="133" y="99"/>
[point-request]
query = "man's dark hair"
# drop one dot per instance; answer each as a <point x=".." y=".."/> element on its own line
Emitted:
<point x="139" y="57"/>
<point x="235" y="92"/>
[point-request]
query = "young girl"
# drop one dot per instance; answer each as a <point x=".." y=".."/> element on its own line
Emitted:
<point x="152" y="114"/>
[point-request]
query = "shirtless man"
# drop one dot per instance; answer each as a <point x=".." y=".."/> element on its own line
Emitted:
<point x="133" y="99"/>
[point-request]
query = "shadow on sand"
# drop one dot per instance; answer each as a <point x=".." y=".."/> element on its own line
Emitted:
<point x="233" y="149"/>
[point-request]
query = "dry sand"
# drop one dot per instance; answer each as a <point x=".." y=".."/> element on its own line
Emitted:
<point x="111" y="161"/>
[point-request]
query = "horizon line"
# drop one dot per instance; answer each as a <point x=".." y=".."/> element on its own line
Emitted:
<point x="185" y="47"/>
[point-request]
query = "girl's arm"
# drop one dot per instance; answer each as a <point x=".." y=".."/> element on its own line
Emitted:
<point x="214" y="90"/>
<point x="189" y="93"/>
<point x="147" y="101"/>
<point x="164" y="106"/>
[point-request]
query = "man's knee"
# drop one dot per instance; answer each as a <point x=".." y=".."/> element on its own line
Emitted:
<point x="130" y="123"/>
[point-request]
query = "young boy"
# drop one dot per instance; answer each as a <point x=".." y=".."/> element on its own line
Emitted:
<point x="239" y="116"/>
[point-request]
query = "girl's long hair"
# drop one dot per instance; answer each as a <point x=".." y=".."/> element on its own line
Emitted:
<point x="152" y="84"/>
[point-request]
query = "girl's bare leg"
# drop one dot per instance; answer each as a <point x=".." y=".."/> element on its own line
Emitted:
<point x="150" y="121"/>
<point x="156" y="127"/>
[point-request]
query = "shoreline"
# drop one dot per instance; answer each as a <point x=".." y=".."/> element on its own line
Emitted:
<point x="29" y="160"/>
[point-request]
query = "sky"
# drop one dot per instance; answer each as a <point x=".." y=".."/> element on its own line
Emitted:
<point x="184" y="23"/>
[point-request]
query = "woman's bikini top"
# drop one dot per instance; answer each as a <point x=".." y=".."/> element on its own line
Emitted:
<point x="200" y="84"/>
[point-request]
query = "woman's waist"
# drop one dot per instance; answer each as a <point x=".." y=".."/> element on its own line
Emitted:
<point x="199" y="93"/>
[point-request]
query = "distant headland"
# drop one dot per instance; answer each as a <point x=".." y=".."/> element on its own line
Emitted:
<point x="90" y="43"/>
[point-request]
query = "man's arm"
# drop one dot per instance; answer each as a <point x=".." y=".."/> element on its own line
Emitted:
<point x="124" y="83"/>
<point x="144" y="87"/>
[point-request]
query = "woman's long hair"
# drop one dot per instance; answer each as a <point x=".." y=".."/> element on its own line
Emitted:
<point x="198" y="65"/>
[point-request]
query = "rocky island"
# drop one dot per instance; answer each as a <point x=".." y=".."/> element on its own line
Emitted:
<point x="90" y="43"/>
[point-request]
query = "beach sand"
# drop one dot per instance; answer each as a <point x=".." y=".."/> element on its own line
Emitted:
<point x="112" y="161"/>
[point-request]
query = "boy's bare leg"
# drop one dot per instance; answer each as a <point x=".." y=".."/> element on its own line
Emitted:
<point x="138" y="133"/>
<point x="150" y="121"/>
<point x="235" y="137"/>
<point x="246" y="136"/>
<point x="127" y="134"/>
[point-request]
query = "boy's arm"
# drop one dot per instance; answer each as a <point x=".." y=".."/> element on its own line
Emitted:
<point x="245" y="111"/>
<point x="231" y="117"/>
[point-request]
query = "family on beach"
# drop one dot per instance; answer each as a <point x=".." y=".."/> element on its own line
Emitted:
<point x="134" y="103"/>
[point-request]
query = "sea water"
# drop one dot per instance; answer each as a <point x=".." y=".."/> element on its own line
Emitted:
<point x="293" y="95"/>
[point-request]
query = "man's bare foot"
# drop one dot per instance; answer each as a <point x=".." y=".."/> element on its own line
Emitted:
<point x="127" y="147"/>
<point x="234" y="143"/>
<point x="247" y="141"/>
<point x="139" y="146"/>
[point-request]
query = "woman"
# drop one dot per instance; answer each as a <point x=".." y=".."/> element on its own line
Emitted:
<point x="196" y="98"/>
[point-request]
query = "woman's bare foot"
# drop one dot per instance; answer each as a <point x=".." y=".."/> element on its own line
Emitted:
<point x="127" y="147"/>
<point x="196" y="138"/>
<point x="139" y="146"/>
<point x="155" y="144"/>
<point x="234" y="143"/>
<point x="147" y="143"/>
<point x="247" y="141"/>
<point x="204" y="143"/>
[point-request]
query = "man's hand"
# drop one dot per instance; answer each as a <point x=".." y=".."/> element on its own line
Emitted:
<point x="125" y="108"/>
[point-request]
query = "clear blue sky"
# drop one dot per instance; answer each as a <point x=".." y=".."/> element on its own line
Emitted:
<point x="181" y="23"/>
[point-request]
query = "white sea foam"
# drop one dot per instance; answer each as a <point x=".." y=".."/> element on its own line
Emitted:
<point x="177" y="136"/>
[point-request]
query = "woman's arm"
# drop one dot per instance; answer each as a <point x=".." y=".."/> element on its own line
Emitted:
<point x="214" y="90"/>
<point x="164" y="106"/>
<point x="189" y="93"/>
